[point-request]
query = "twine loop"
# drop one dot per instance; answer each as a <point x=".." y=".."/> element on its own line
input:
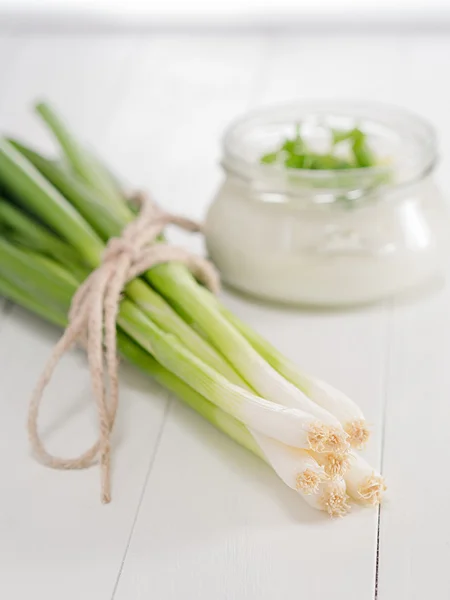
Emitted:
<point x="92" y="322"/>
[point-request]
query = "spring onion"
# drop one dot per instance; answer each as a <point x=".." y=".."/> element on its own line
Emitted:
<point x="296" y="468"/>
<point x="291" y="426"/>
<point x="54" y="223"/>
<point x="334" y="401"/>
<point x="32" y="190"/>
<point x="364" y="484"/>
<point x="331" y="497"/>
<point x="174" y="282"/>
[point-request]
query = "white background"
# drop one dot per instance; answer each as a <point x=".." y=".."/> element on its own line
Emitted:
<point x="142" y="13"/>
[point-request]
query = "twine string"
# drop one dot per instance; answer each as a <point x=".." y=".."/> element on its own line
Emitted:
<point x="92" y="321"/>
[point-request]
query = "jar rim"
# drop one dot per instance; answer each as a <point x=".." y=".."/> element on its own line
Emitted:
<point x="241" y="159"/>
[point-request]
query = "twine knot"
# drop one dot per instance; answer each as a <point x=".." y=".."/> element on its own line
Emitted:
<point x="92" y="320"/>
<point x="117" y="247"/>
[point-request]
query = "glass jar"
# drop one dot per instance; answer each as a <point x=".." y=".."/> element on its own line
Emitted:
<point x="322" y="237"/>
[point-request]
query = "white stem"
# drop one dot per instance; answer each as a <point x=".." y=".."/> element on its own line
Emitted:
<point x="248" y="361"/>
<point x="364" y="484"/>
<point x="340" y="405"/>
<point x="275" y="387"/>
<point x="327" y="397"/>
<point x="290" y="426"/>
<point x="295" y="467"/>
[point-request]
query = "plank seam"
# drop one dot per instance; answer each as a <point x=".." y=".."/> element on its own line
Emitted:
<point x="386" y="368"/>
<point x="377" y="557"/>
<point x="153" y="457"/>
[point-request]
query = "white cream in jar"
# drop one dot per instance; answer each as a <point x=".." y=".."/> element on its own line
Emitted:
<point x="328" y="238"/>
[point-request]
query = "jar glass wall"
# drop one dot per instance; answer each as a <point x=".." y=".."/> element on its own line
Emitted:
<point x="328" y="237"/>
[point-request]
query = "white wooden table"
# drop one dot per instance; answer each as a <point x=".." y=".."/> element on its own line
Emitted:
<point x="194" y="516"/>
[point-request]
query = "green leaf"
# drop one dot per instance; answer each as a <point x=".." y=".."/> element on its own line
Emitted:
<point x="294" y="161"/>
<point x="270" y="158"/>
<point x="35" y="192"/>
<point x="329" y="162"/>
<point x="361" y="151"/>
<point x="88" y="202"/>
<point x="83" y="163"/>
<point x="293" y="152"/>
<point x="341" y="136"/>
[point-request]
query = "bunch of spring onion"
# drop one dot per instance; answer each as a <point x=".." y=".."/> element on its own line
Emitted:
<point x="56" y="217"/>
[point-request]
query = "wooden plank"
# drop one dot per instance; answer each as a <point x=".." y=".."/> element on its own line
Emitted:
<point x="415" y="527"/>
<point x="56" y="538"/>
<point x="356" y="67"/>
<point x="82" y="76"/>
<point x="217" y="523"/>
<point x="10" y="46"/>
<point x="54" y="528"/>
<point x="241" y="534"/>
<point x="183" y="92"/>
